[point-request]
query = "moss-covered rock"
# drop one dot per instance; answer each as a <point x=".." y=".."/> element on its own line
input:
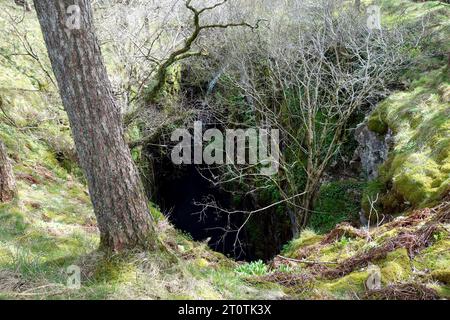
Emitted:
<point x="376" y="124"/>
<point x="419" y="163"/>
<point x="347" y="287"/>
<point x="417" y="177"/>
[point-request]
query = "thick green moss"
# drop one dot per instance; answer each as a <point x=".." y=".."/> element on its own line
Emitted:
<point x="346" y="287"/>
<point x="441" y="275"/>
<point x="396" y="267"/>
<point x="114" y="270"/>
<point x="376" y="124"/>
<point x="436" y="257"/>
<point x="417" y="177"/>
<point x="306" y="238"/>
<point x="419" y="164"/>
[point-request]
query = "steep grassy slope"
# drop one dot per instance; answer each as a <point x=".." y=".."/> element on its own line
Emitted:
<point x="417" y="172"/>
<point x="419" y="164"/>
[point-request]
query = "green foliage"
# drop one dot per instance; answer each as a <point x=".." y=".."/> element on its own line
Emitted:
<point x="440" y="236"/>
<point x="51" y="224"/>
<point x="376" y="124"/>
<point x="255" y="268"/>
<point x="418" y="167"/>
<point x="284" y="268"/>
<point x="337" y="202"/>
<point x="156" y="213"/>
<point x="344" y="241"/>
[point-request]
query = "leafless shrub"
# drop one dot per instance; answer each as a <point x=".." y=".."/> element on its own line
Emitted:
<point x="306" y="72"/>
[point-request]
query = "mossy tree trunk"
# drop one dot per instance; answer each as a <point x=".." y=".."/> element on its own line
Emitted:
<point x="7" y="180"/>
<point x="95" y="119"/>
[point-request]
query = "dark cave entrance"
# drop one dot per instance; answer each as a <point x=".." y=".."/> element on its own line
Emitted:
<point x="180" y="196"/>
<point x="180" y="188"/>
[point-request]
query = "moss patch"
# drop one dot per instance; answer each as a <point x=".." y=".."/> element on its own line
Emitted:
<point x="348" y="287"/>
<point x="306" y="238"/>
<point x="396" y="267"/>
<point x="441" y="275"/>
<point x="419" y="164"/>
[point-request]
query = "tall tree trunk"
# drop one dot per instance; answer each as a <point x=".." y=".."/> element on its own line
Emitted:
<point x="114" y="184"/>
<point x="7" y="180"/>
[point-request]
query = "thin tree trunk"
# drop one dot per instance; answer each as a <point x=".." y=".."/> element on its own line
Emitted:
<point x="114" y="184"/>
<point x="295" y="226"/>
<point x="358" y="5"/>
<point x="7" y="180"/>
<point x="24" y="4"/>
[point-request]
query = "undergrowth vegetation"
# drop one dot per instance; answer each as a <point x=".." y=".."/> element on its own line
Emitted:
<point x="337" y="202"/>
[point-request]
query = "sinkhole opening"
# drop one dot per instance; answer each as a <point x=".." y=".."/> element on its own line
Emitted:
<point x="181" y="191"/>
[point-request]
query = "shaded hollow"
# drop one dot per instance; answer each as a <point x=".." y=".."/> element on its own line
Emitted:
<point x="179" y="191"/>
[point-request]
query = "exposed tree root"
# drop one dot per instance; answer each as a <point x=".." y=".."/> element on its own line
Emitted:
<point x="297" y="283"/>
<point x="289" y="279"/>
<point x="412" y="241"/>
<point x="404" y="291"/>
<point x="342" y="229"/>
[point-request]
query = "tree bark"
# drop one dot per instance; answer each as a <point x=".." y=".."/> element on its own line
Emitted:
<point x="95" y="119"/>
<point x="7" y="180"/>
